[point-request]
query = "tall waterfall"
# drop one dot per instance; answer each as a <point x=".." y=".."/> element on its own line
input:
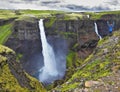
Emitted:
<point x="96" y="30"/>
<point x="49" y="69"/>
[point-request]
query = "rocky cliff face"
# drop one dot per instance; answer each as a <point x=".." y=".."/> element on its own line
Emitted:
<point x="80" y="31"/>
<point x="6" y="21"/>
<point x="79" y="34"/>
<point x="25" y="40"/>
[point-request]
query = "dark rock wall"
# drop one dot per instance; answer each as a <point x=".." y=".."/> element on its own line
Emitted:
<point x="83" y="30"/>
<point x="25" y="40"/>
<point x="5" y="21"/>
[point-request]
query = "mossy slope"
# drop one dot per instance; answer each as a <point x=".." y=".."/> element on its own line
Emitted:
<point x="102" y="62"/>
<point x="8" y="82"/>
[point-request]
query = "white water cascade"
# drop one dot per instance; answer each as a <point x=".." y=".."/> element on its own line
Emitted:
<point x="96" y="30"/>
<point x="49" y="69"/>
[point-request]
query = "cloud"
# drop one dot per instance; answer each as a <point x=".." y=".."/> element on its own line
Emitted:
<point x="114" y="2"/>
<point x="50" y="2"/>
<point x="84" y="8"/>
<point x="74" y="5"/>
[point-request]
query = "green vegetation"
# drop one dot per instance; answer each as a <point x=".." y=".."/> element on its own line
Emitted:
<point x="73" y="60"/>
<point x="38" y="13"/>
<point x="22" y="14"/>
<point x="70" y="59"/>
<point x="98" y="15"/>
<point x="68" y="34"/>
<point x="72" y="16"/>
<point x="19" y="56"/>
<point x="35" y="84"/>
<point x="100" y="63"/>
<point x="69" y="87"/>
<point x="50" y="22"/>
<point x="8" y="82"/>
<point x="5" y="32"/>
<point x="7" y="14"/>
<point x="6" y="50"/>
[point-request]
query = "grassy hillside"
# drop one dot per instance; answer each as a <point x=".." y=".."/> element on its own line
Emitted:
<point x="5" y="32"/>
<point x="98" y="15"/>
<point x="6" y="14"/>
<point x="23" y="14"/>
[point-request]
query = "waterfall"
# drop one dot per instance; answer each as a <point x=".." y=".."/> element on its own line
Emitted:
<point x="96" y="30"/>
<point x="49" y="69"/>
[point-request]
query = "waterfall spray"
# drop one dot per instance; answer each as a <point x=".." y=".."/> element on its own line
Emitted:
<point x="49" y="68"/>
<point x="96" y="30"/>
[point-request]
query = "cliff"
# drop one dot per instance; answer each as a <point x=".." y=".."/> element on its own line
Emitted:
<point x="13" y="77"/>
<point x="25" y="39"/>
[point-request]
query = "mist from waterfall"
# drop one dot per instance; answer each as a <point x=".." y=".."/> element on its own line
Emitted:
<point x="48" y="72"/>
<point x="96" y="30"/>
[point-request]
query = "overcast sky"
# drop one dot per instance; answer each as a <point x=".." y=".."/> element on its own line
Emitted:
<point x="65" y="5"/>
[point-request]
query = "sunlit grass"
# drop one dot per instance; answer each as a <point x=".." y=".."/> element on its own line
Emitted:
<point x="5" y="31"/>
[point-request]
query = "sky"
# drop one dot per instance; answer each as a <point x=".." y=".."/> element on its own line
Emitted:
<point x="64" y="5"/>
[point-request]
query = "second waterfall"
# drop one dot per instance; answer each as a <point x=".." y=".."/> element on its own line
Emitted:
<point x="49" y="70"/>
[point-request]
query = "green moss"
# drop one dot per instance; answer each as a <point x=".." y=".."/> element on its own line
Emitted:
<point x="73" y="60"/>
<point x="50" y="22"/>
<point x="100" y="63"/>
<point x="2" y="59"/>
<point x="67" y="34"/>
<point x="19" y="56"/>
<point x="6" y="50"/>
<point x="72" y="16"/>
<point x="35" y="84"/>
<point x="8" y="81"/>
<point x="92" y="70"/>
<point x="69" y="87"/>
<point x="98" y="15"/>
<point x="5" y="32"/>
<point x="70" y="59"/>
<point x="7" y="14"/>
<point x="102" y="41"/>
<point x="40" y="13"/>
